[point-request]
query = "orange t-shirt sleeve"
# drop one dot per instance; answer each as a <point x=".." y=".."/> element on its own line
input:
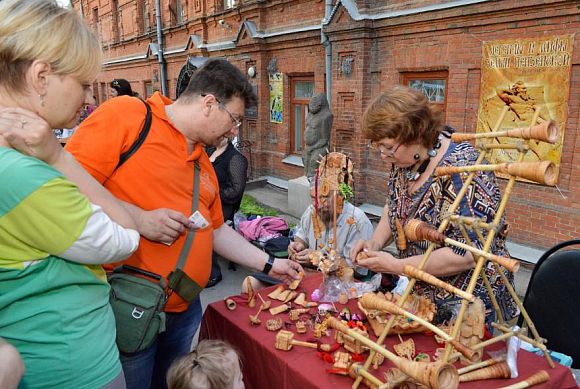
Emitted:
<point x="110" y="130"/>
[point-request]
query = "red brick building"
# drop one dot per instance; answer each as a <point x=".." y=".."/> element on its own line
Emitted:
<point x="373" y="45"/>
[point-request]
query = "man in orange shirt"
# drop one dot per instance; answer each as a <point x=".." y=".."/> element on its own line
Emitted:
<point x="156" y="185"/>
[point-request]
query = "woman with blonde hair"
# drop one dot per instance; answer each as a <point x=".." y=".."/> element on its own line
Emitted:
<point x="57" y="224"/>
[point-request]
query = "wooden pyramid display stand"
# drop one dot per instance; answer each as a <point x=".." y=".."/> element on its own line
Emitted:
<point x="543" y="172"/>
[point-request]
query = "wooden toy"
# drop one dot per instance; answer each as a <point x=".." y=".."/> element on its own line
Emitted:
<point x="301" y="327"/>
<point x="496" y="370"/>
<point x="285" y="341"/>
<point x="342" y="362"/>
<point x="418" y="305"/>
<point x="230" y="304"/>
<point x="254" y="318"/>
<point x="274" y="294"/>
<point x="294" y="314"/>
<point x="535" y="379"/>
<point x="274" y="324"/>
<point x="294" y="284"/>
<point x="279" y="309"/>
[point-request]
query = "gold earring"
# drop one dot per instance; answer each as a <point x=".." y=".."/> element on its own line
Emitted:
<point x="41" y="100"/>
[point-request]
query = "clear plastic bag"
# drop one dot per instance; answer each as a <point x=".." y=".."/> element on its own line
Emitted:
<point x="333" y="287"/>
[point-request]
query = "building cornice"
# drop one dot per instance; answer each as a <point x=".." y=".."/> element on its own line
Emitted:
<point x="197" y="42"/>
<point x="352" y="9"/>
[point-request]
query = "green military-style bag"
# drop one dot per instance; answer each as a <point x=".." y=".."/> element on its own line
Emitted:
<point x="138" y="299"/>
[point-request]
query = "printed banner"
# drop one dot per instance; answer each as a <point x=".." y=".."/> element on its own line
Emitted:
<point x="529" y="79"/>
<point x="276" y="97"/>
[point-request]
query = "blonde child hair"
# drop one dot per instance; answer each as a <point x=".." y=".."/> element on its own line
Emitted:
<point x="214" y="364"/>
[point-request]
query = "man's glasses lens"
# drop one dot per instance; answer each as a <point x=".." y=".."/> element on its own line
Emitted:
<point x="237" y="123"/>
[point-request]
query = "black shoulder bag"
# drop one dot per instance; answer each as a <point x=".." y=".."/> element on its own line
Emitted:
<point x="140" y="139"/>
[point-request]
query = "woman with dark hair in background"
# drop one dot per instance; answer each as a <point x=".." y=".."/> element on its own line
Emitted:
<point x="231" y="168"/>
<point x="120" y="87"/>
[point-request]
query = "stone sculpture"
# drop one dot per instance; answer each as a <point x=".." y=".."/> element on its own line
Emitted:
<point x="317" y="133"/>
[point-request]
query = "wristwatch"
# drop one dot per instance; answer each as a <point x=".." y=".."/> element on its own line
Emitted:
<point x="269" y="264"/>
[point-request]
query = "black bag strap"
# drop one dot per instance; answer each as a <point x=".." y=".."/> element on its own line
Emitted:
<point x="139" y="141"/>
<point x="190" y="233"/>
<point x="131" y="269"/>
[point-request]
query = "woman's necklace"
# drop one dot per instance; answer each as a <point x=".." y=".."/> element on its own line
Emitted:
<point x="413" y="175"/>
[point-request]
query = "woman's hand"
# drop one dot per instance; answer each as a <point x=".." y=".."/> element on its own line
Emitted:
<point x="378" y="261"/>
<point x="30" y="134"/>
<point x="362" y="246"/>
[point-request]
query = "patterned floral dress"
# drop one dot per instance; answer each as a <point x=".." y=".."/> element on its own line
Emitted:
<point x="431" y="202"/>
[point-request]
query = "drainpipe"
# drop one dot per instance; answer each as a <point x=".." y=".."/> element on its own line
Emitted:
<point x="328" y="52"/>
<point x="160" y="48"/>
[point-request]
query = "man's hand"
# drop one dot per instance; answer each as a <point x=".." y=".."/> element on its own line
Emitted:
<point x="294" y="248"/>
<point x="162" y="225"/>
<point x="303" y="256"/>
<point x="30" y="134"/>
<point x="286" y="270"/>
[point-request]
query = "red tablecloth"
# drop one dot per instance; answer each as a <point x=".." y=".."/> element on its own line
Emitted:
<point x="300" y="368"/>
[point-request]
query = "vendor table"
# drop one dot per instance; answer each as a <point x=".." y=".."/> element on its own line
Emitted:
<point x="301" y="368"/>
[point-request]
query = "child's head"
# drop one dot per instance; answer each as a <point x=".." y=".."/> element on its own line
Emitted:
<point x="214" y="364"/>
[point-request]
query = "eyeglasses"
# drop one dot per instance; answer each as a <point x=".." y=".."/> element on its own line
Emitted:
<point x="384" y="149"/>
<point x="237" y="122"/>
